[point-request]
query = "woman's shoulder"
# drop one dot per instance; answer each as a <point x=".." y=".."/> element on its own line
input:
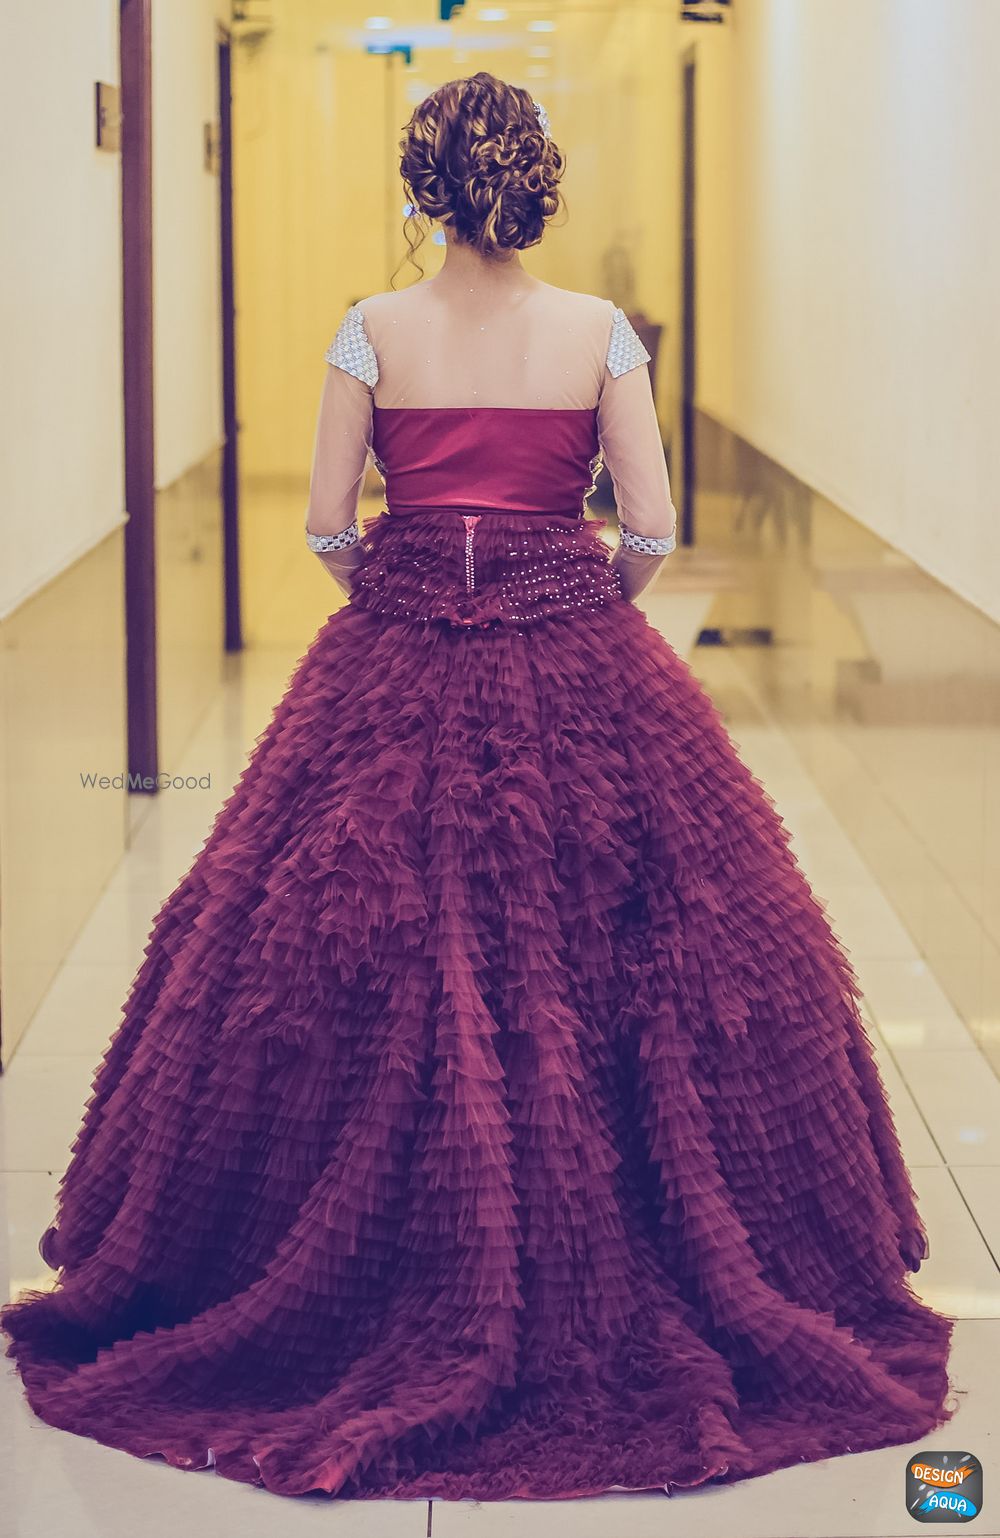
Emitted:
<point x="373" y="303"/>
<point x="579" y="296"/>
<point x="570" y="302"/>
<point x="611" y="333"/>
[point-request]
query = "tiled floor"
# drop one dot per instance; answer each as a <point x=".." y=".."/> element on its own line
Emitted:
<point x="945" y="1096"/>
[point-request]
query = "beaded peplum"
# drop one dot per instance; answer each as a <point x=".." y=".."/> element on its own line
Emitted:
<point x="485" y="568"/>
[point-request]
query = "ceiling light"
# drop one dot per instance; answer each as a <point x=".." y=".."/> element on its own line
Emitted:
<point x="378" y="23"/>
<point x="541" y="26"/>
<point x="491" y="13"/>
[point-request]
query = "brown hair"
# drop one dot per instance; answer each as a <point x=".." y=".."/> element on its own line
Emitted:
<point x="475" y="156"/>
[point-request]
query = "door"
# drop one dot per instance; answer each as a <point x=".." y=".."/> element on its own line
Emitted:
<point x="135" y="24"/>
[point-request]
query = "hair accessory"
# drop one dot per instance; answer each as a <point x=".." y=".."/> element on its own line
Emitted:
<point x="543" y="118"/>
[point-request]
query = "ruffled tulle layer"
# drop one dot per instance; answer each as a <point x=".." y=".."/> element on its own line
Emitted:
<point x="492" y="1114"/>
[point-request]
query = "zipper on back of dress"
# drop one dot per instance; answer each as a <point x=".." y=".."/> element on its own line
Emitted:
<point x="470" y="520"/>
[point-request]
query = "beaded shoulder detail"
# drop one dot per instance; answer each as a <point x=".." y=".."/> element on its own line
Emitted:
<point x="351" y="350"/>
<point x="625" y="351"/>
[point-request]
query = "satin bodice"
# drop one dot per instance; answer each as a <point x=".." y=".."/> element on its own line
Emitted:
<point x="485" y="516"/>
<point x="488" y="458"/>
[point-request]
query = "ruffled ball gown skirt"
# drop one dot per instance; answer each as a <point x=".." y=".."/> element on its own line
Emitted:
<point x="492" y="1114"/>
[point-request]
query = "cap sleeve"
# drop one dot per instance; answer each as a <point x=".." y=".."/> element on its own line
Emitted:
<point x="351" y="349"/>
<point x="625" y="351"/>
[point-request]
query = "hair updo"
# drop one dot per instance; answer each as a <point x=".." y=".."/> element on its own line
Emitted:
<point x="475" y="157"/>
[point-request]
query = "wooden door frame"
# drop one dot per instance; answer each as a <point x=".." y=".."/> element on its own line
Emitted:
<point x="135" y="45"/>
<point x="227" y="297"/>
<point x="689" y="293"/>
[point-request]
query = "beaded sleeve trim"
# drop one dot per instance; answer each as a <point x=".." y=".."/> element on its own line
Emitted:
<point x="625" y="351"/>
<point x="352" y="351"/>
<point x="645" y="544"/>
<point x="321" y="543"/>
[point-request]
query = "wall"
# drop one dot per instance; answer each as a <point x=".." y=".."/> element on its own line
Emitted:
<point x="185" y="238"/>
<point x="865" y="330"/>
<point x="61" y="479"/>
<point x="62" y="705"/>
<point x="62" y="700"/>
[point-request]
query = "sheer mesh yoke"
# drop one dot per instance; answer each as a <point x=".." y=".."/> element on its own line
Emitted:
<point x="340" y="457"/>
<point x="443" y="346"/>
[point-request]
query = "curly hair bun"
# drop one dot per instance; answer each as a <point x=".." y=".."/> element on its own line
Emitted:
<point x="475" y="156"/>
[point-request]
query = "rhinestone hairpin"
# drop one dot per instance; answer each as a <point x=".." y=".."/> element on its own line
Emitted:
<point x="543" y="118"/>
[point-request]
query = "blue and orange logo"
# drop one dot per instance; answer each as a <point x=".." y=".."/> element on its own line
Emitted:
<point x="944" y="1487"/>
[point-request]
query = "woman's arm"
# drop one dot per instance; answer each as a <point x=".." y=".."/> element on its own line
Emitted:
<point x="632" y="449"/>
<point x="340" y="455"/>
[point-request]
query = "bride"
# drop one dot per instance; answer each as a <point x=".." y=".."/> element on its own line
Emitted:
<point x="492" y="1114"/>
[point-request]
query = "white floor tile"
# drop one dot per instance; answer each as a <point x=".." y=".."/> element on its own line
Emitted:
<point x="802" y="808"/>
<point x="829" y="859"/>
<point x="117" y="929"/>
<point x="980" y="1187"/>
<point x="81" y="1010"/>
<point x="959" y="1098"/>
<point x="62" y="1486"/>
<point x="911" y="1008"/>
<point x="866" y="923"/>
<point x="27" y="1205"/>
<point x="153" y="866"/>
<point x="42" y="1101"/>
<point x="919" y="1148"/>
<point x="960" y="1276"/>
<point x="160" y="856"/>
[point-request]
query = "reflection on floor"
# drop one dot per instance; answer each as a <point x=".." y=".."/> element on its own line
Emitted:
<point x="945" y="1097"/>
<point x="888" y="685"/>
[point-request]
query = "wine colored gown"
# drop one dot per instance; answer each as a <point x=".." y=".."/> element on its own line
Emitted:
<point x="492" y="1114"/>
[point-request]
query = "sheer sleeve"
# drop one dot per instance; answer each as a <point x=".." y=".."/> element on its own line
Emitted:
<point x="632" y="450"/>
<point x="342" y="445"/>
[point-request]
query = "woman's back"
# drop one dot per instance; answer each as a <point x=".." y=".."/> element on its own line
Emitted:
<point x="485" y="394"/>
<point x="486" y="391"/>
<point x="474" y="339"/>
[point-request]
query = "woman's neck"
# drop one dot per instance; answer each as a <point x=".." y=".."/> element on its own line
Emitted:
<point x="465" y="267"/>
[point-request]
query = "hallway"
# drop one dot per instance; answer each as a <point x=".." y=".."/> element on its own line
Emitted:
<point x="785" y="199"/>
